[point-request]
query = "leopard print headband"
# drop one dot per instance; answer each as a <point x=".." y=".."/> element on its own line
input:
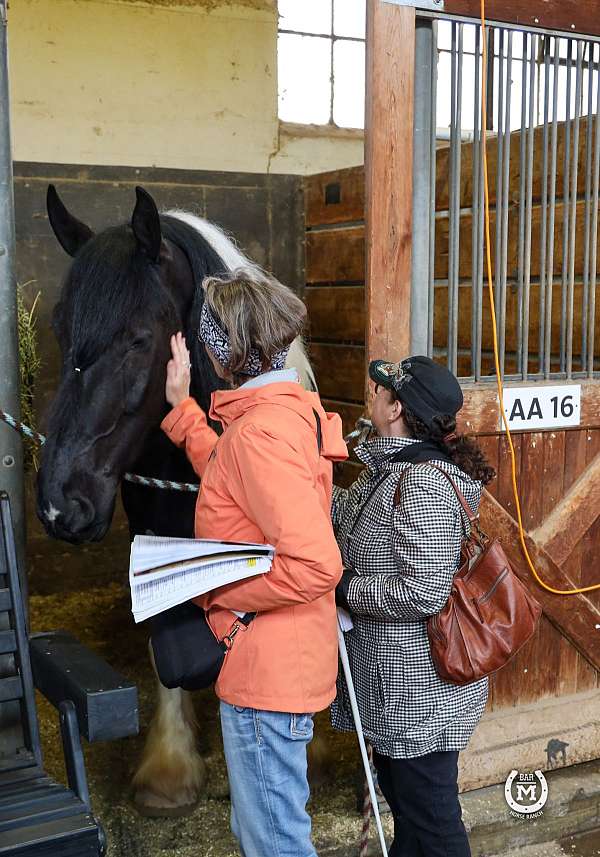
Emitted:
<point x="214" y="337"/>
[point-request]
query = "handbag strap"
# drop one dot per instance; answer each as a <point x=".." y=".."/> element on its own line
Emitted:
<point x="248" y="617"/>
<point x="473" y="518"/>
<point x="319" y="431"/>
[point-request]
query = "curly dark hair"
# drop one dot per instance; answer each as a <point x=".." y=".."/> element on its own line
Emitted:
<point x="463" y="450"/>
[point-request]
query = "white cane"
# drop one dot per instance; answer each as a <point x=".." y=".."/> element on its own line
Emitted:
<point x="344" y="622"/>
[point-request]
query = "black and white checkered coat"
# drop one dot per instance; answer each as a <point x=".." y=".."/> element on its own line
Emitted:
<point x="405" y="556"/>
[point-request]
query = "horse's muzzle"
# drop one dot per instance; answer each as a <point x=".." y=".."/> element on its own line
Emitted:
<point x="72" y="518"/>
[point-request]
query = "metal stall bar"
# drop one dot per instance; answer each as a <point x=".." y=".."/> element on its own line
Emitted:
<point x="477" y="212"/>
<point x="499" y="196"/>
<point x="521" y="238"/>
<point x="585" y="298"/>
<point x="566" y="209"/>
<point x="454" y="213"/>
<point x="544" y="225"/>
<point x="11" y="455"/>
<point x="594" y="228"/>
<point x="502" y="212"/>
<point x="528" y="206"/>
<point x="432" y="188"/>
<point x="549" y="250"/>
<point x="573" y="209"/>
<point x="422" y="275"/>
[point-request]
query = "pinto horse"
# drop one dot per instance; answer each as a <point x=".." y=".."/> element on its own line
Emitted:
<point x="127" y="290"/>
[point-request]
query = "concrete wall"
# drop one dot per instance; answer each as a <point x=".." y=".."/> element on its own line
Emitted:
<point x="190" y="85"/>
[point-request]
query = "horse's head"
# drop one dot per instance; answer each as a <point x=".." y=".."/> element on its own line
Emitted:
<point x="126" y="291"/>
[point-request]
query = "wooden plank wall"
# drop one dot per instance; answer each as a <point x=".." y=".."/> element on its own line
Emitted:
<point x="335" y="261"/>
<point x="335" y="293"/>
<point x="548" y="462"/>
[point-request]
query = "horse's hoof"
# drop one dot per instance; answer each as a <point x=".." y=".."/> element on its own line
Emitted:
<point x="166" y="787"/>
<point x="152" y="805"/>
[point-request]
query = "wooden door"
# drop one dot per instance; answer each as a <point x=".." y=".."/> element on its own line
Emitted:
<point x="549" y="692"/>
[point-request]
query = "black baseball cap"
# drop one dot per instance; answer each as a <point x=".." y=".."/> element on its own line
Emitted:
<point x="428" y="389"/>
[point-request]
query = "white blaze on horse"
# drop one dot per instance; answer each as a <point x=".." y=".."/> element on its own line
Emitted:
<point x="127" y="290"/>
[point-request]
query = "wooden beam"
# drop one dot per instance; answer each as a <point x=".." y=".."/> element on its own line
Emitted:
<point x="388" y="174"/>
<point x="572" y="517"/>
<point x="573" y="16"/>
<point x="573" y="615"/>
<point x="481" y="414"/>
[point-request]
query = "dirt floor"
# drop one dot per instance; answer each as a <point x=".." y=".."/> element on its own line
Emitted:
<point x="84" y="590"/>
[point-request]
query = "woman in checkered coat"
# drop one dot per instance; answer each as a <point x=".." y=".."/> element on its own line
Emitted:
<point x="399" y="528"/>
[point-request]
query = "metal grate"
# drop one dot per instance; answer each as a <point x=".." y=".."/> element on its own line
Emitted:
<point x="544" y="155"/>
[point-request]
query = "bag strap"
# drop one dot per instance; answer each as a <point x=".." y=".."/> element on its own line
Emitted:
<point x="319" y="431"/>
<point x="248" y="617"/>
<point x="471" y="516"/>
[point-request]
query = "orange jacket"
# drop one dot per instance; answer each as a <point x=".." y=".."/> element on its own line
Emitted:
<point x="263" y="481"/>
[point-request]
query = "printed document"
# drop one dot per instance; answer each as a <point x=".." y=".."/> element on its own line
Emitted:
<point x="164" y="572"/>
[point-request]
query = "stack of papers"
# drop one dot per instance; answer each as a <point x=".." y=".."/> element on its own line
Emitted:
<point x="164" y="572"/>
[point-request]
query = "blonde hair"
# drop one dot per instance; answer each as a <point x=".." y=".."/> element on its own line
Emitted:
<point x="257" y="312"/>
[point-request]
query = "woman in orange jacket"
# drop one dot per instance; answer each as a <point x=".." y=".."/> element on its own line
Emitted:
<point x="268" y="479"/>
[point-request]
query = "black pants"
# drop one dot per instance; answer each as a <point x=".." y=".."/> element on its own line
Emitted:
<point x="423" y="796"/>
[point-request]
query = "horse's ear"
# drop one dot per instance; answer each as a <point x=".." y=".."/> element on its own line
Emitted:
<point x="71" y="233"/>
<point x="145" y="223"/>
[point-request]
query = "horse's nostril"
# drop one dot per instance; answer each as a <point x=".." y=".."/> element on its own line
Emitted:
<point x="82" y="511"/>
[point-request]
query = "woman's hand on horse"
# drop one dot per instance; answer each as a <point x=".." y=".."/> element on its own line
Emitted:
<point x="178" y="372"/>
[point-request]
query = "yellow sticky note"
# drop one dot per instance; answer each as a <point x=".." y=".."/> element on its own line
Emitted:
<point x="251" y="562"/>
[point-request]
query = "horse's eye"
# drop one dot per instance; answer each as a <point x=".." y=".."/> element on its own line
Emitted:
<point x="140" y="342"/>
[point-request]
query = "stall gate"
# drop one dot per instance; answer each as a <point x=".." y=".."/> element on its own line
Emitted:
<point x="544" y="157"/>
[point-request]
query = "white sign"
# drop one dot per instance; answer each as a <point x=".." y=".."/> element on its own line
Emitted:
<point x="543" y="407"/>
<point x="529" y="800"/>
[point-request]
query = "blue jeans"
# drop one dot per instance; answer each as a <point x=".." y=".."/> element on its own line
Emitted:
<point x="265" y="753"/>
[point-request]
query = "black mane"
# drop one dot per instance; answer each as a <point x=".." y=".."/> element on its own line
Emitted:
<point x="113" y="281"/>
<point x="109" y="282"/>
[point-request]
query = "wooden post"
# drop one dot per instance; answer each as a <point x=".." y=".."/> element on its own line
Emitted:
<point x="388" y="169"/>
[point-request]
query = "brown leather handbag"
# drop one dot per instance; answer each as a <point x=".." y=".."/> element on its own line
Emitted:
<point x="489" y="615"/>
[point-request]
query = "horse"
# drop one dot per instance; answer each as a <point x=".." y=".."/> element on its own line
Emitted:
<point x="126" y="291"/>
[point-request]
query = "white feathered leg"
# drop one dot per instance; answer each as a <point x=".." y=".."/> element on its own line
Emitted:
<point x="171" y="773"/>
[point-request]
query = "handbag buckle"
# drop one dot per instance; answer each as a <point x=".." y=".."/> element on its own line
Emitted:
<point x="228" y="638"/>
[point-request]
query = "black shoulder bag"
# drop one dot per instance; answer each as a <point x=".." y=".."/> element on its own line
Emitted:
<point x="186" y="652"/>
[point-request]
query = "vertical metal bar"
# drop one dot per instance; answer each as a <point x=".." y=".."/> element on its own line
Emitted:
<point x="10" y="444"/>
<point x="585" y="297"/>
<point x="573" y="211"/>
<point x="451" y="206"/>
<point x="11" y="450"/>
<point x="594" y="230"/>
<point x="432" y="188"/>
<point x="521" y="239"/>
<point x="476" y="234"/>
<point x="528" y="208"/>
<point x="505" y="202"/>
<point x="454" y="225"/>
<point x="565" y="231"/>
<point x="544" y="224"/>
<point x="552" y="214"/>
<point x="499" y="195"/>
<point x="490" y="78"/>
<point x="331" y="63"/>
<point x="422" y="123"/>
